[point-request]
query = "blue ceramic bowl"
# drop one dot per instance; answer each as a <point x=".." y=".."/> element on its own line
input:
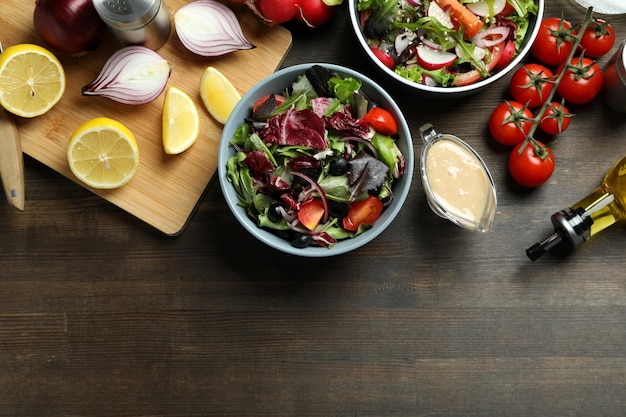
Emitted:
<point x="278" y="82"/>
<point x="448" y="92"/>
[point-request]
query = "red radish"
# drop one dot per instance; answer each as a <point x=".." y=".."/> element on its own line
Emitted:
<point x="431" y="59"/>
<point x="435" y="11"/>
<point x="278" y="11"/>
<point x="313" y="12"/>
<point x="487" y="8"/>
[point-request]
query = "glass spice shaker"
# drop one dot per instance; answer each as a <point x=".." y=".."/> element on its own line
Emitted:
<point x="136" y="22"/>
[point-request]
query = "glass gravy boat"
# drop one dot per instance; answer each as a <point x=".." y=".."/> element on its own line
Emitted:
<point x="457" y="183"/>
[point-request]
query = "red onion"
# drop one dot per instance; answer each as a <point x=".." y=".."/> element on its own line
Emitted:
<point x="209" y="28"/>
<point x="492" y="36"/>
<point x="71" y="26"/>
<point x="132" y="75"/>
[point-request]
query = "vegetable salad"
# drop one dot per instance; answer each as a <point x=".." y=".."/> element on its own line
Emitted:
<point x="445" y="42"/>
<point x="310" y="165"/>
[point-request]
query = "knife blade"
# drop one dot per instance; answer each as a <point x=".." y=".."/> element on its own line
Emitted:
<point x="11" y="160"/>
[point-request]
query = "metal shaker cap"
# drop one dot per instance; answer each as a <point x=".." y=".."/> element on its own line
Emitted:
<point x="127" y="14"/>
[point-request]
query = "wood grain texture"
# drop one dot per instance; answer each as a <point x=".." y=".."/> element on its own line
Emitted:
<point x="103" y="315"/>
<point x="167" y="188"/>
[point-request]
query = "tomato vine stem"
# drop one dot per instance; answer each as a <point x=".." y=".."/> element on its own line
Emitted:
<point x="540" y="150"/>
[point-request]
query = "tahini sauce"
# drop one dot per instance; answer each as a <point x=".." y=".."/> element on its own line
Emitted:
<point x="457" y="180"/>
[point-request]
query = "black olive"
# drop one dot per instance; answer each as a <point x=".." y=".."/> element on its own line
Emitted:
<point x="301" y="241"/>
<point x="338" y="166"/>
<point x="273" y="212"/>
<point x="337" y="209"/>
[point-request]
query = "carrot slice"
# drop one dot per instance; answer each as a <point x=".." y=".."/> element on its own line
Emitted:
<point x="461" y="16"/>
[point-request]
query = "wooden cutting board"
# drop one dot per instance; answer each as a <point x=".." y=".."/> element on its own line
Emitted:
<point x="167" y="188"/>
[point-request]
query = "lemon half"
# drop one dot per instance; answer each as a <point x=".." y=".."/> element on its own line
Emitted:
<point x="32" y="80"/>
<point x="103" y="153"/>
<point x="218" y="94"/>
<point x="181" y="123"/>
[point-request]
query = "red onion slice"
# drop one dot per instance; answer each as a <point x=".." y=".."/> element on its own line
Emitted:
<point x="492" y="36"/>
<point x="132" y="75"/>
<point x="209" y="28"/>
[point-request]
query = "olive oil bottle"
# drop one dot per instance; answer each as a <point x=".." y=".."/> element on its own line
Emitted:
<point x="605" y="206"/>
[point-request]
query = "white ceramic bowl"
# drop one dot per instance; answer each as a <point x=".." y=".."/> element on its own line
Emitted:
<point x="453" y="91"/>
<point x="277" y="82"/>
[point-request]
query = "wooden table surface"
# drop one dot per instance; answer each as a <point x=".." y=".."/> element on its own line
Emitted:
<point x="100" y="314"/>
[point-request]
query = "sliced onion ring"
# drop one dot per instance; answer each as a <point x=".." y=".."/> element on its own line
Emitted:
<point x="492" y="36"/>
<point x="209" y="28"/>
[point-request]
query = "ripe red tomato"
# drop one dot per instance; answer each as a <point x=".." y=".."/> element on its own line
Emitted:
<point x="582" y="81"/>
<point x="554" y="41"/>
<point x="384" y="57"/>
<point x="598" y="39"/>
<point x="314" y="12"/>
<point x="277" y="11"/>
<point x="311" y="213"/>
<point x="555" y="119"/>
<point x="532" y="167"/>
<point x="530" y="84"/>
<point x="365" y="211"/>
<point x="382" y="121"/>
<point x="279" y="99"/>
<point x="510" y="122"/>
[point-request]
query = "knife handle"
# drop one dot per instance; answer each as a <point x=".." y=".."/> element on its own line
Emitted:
<point x="11" y="160"/>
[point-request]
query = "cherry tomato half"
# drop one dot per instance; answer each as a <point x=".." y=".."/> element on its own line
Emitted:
<point x="382" y="121"/>
<point x="530" y="168"/>
<point x="555" y="119"/>
<point x="554" y="41"/>
<point x="582" y="81"/>
<point x="383" y="57"/>
<point x="507" y="119"/>
<point x="365" y="211"/>
<point x="531" y="84"/>
<point x="311" y="213"/>
<point x="277" y="98"/>
<point x="598" y="38"/>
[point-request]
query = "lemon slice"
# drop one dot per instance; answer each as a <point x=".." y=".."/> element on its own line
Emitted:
<point x="103" y="153"/>
<point x="32" y="80"/>
<point x="218" y="94"/>
<point x="181" y="123"/>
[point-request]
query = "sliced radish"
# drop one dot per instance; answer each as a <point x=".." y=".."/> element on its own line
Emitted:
<point x="435" y="11"/>
<point x="486" y="7"/>
<point x="431" y="59"/>
<point x="479" y="53"/>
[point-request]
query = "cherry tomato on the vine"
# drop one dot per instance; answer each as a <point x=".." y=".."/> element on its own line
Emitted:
<point x="365" y="211"/>
<point x="598" y="39"/>
<point x="555" y="119"/>
<point x="382" y="121"/>
<point x="582" y="81"/>
<point x="531" y="84"/>
<point x="554" y="41"/>
<point x="533" y="166"/>
<point x="510" y="122"/>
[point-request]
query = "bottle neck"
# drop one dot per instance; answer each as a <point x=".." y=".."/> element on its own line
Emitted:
<point x="602" y="207"/>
